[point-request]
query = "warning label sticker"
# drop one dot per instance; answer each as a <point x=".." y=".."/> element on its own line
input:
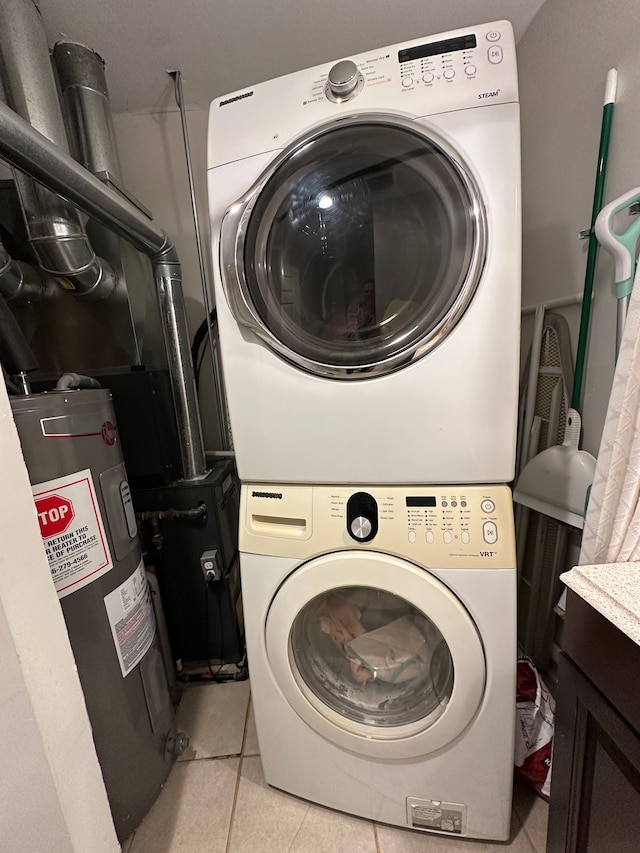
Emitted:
<point x="72" y="531"/>
<point x="132" y="619"/>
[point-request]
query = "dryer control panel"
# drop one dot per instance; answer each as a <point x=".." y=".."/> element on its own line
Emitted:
<point x="444" y="526"/>
<point x="457" y="70"/>
<point x="437" y="64"/>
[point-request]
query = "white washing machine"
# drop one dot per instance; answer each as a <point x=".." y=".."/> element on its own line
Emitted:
<point x="381" y="638"/>
<point x="366" y="242"/>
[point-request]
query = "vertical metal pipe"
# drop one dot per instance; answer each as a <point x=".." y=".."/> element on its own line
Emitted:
<point x="221" y="403"/>
<point x="176" y="338"/>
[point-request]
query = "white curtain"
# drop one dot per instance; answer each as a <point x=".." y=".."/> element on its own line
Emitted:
<point x="612" y="525"/>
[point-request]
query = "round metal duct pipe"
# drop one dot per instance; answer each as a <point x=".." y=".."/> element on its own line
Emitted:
<point x="55" y="230"/>
<point x="21" y="281"/>
<point x="84" y="89"/>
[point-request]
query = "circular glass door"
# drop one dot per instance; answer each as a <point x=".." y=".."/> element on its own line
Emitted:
<point x="358" y="250"/>
<point x="372" y="657"/>
<point x="375" y="654"/>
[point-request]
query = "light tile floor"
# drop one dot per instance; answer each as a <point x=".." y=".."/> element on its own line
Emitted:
<point x="217" y="801"/>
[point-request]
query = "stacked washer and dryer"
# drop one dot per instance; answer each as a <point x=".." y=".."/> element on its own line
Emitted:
<point x="366" y="243"/>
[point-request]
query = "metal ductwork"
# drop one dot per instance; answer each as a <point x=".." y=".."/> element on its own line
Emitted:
<point x="22" y="281"/>
<point x="55" y="229"/>
<point x="81" y="74"/>
<point x="28" y="151"/>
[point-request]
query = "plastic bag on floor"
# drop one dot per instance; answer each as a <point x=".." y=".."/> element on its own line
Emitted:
<point x="535" y="712"/>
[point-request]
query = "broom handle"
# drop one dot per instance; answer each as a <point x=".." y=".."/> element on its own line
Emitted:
<point x="603" y="153"/>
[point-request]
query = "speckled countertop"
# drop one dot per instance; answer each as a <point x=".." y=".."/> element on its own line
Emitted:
<point x="613" y="589"/>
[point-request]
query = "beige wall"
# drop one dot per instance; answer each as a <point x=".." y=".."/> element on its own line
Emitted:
<point x="564" y="58"/>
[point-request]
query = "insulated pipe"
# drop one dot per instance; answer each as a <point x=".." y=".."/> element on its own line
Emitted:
<point x="55" y="230"/>
<point x="30" y="152"/>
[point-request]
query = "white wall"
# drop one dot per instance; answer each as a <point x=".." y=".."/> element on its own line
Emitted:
<point x="563" y="59"/>
<point x="52" y="797"/>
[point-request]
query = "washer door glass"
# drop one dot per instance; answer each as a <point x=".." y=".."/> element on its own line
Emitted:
<point x="359" y="250"/>
<point x="376" y="654"/>
<point x="372" y="657"/>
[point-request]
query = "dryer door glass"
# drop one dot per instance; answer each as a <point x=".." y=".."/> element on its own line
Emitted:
<point x="362" y="249"/>
<point x="372" y="657"/>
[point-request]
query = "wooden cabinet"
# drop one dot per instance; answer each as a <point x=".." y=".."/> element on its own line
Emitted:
<point x="595" y="781"/>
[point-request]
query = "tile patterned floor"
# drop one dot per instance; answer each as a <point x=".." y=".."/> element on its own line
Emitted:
<point x="217" y="801"/>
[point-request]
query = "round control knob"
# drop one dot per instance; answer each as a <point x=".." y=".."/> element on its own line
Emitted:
<point x="343" y="78"/>
<point x="362" y="517"/>
<point x="361" y="527"/>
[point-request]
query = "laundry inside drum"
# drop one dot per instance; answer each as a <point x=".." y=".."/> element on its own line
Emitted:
<point x="372" y="657"/>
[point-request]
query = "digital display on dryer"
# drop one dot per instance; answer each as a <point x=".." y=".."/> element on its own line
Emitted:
<point x="435" y="48"/>
<point x="420" y="501"/>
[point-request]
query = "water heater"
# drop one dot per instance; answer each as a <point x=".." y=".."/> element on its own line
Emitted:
<point x="72" y="451"/>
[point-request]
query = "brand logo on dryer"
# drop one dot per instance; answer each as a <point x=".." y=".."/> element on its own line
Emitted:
<point x="235" y="98"/>
<point x="484" y="95"/>
<point x="488" y="553"/>
<point x="277" y="495"/>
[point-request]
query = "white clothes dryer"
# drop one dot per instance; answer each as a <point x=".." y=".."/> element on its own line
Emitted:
<point x="381" y="640"/>
<point x="366" y="243"/>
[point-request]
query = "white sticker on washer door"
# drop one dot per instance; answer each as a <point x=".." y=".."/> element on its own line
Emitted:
<point x="72" y="531"/>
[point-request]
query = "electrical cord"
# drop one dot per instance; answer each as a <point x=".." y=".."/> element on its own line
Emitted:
<point x="200" y="336"/>
<point x="207" y="592"/>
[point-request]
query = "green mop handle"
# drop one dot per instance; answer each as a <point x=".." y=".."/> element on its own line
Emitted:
<point x="603" y="153"/>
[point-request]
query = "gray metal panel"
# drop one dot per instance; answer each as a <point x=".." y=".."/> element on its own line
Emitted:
<point x="132" y="717"/>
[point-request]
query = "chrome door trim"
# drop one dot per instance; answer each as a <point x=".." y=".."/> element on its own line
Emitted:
<point x="232" y="245"/>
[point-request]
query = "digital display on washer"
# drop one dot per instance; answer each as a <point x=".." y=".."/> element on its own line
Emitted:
<point x="435" y="48"/>
<point x="424" y="501"/>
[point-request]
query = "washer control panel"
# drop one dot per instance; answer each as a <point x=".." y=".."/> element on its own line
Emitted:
<point x="455" y="517"/>
<point x="446" y="526"/>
